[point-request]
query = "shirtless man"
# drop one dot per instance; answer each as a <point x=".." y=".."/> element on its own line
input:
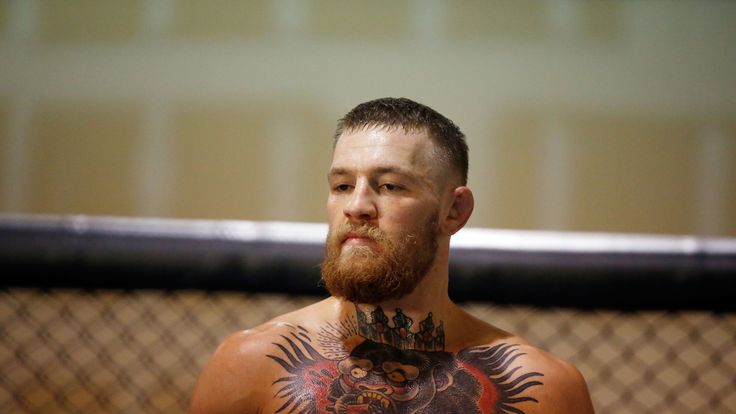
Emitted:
<point x="389" y="339"/>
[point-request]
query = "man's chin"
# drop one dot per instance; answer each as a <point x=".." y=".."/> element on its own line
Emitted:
<point x="356" y="263"/>
<point x="350" y="251"/>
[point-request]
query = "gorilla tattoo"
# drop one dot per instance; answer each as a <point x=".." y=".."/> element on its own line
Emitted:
<point x="380" y="378"/>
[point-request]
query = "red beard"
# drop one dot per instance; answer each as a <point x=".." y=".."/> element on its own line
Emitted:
<point x="387" y="270"/>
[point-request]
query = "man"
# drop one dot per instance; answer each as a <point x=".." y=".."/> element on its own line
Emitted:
<point x="389" y="339"/>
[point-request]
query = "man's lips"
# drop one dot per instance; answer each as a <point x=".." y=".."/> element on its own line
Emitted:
<point x="355" y="238"/>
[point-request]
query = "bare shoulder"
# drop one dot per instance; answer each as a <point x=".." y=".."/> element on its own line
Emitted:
<point x="561" y="387"/>
<point x="238" y="376"/>
<point x="528" y="379"/>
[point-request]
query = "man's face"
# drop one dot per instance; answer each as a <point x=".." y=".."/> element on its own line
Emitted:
<point x="383" y="209"/>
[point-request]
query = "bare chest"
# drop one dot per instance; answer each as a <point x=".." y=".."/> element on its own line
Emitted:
<point x="375" y="377"/>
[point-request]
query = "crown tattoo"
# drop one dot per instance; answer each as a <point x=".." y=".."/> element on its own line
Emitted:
<point x="375" y="325"/>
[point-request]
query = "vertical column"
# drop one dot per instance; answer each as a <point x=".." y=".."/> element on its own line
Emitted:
<point x="285" y="151"/>
<point x="714" y="179"/>
<point x="156" y="18"/>
<point x="554" y="183"/>
<point x="563" y="18"/>
<point x="23" y="22"/>
<point x="154" y="173"/>
<point x="290" y="16"/>
<point x="429" y="20"/>
<point x="21" y="30"/>
<point x="285" y="143"/>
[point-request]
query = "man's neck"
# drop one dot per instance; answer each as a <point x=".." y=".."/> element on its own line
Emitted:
<point x="400" y="329"/>
<point x="421" y="316"/>
<point x="416" y="321"/>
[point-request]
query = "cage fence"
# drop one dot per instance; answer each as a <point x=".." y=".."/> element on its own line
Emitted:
<point x="120" y="315"/>
<point x="92" y="351"/>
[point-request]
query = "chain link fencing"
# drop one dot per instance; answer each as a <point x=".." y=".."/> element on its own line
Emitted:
<point x="136" y="351"/>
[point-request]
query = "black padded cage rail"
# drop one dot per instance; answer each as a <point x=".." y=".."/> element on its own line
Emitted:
<point x="544" y="269"/>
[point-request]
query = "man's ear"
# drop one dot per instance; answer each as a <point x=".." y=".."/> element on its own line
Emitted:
<point x="460" y="210"/>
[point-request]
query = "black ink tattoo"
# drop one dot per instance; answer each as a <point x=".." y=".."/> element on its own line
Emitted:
<point x="333" y="337"/>
<point x="375" y="326"/>
<point x="382" y="375"/>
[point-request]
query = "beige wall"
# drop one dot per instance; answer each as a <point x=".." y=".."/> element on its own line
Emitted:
<point x="590" y="116"/>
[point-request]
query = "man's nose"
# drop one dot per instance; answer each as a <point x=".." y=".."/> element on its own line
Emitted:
<point x="361" y="206"/>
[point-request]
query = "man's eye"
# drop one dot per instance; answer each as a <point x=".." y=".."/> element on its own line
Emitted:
<point x="341" y="188"/>
<point x="391" y="187"/>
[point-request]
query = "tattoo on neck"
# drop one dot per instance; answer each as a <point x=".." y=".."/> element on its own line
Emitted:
<point x="374" y="325"/>
<point x="368" y="365"/>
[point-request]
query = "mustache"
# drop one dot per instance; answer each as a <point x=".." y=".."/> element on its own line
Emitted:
<point x="366" y="230"/>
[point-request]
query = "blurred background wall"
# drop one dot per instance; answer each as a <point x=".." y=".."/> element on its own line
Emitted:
<point x="581" y="115"/>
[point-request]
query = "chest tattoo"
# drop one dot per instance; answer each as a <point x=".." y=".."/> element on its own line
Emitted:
<point x="394" y="369"/>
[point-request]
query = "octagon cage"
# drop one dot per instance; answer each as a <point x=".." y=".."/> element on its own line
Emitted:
<point x="119" y="315"/>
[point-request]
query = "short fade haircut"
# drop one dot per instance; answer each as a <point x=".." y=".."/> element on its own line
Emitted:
<point x="410" y="116"/>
